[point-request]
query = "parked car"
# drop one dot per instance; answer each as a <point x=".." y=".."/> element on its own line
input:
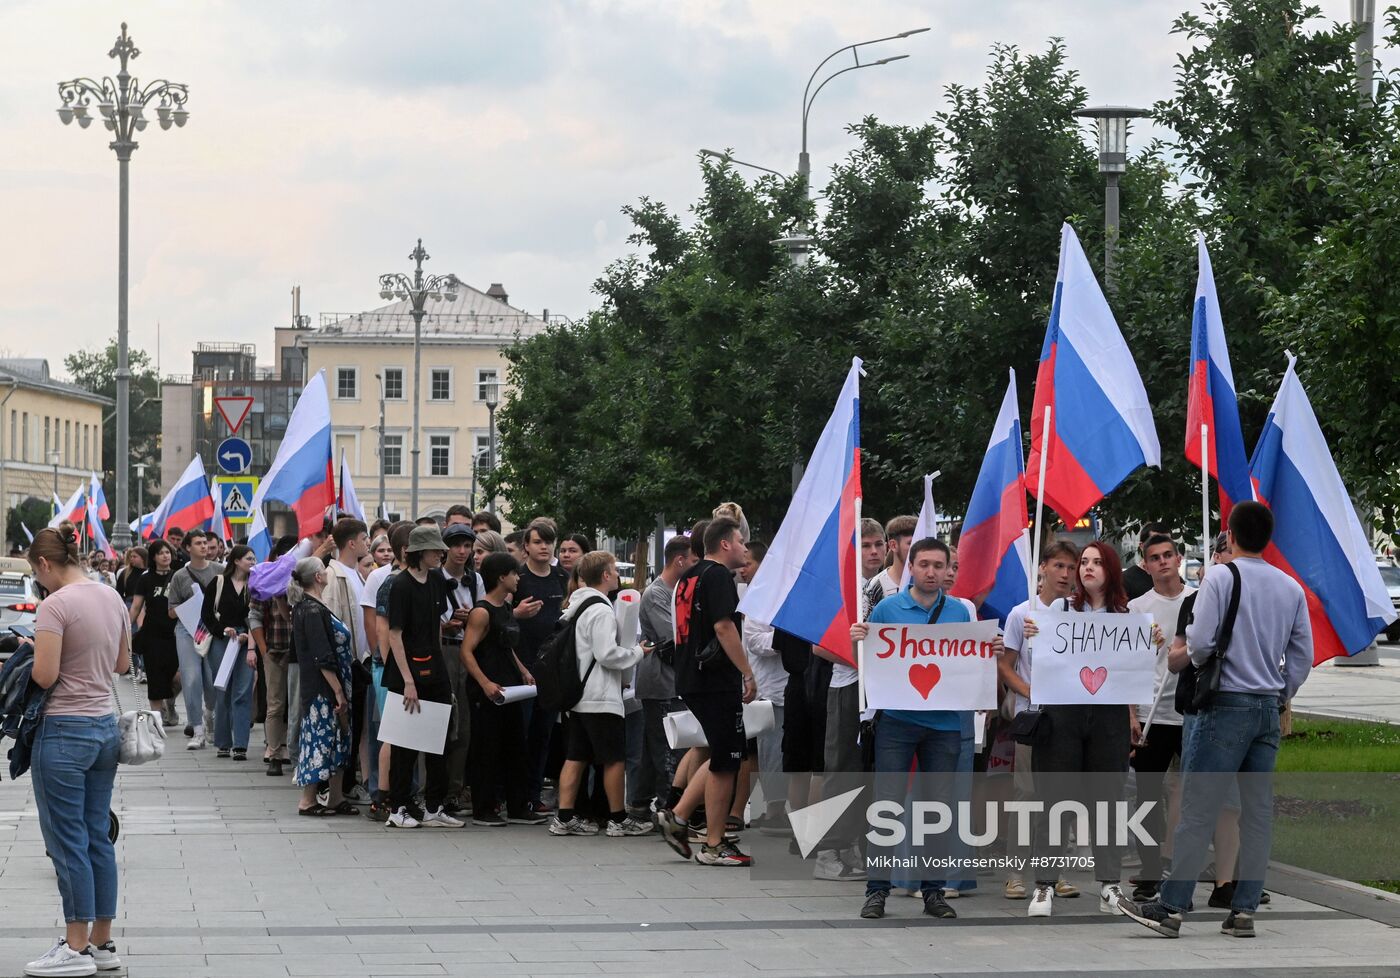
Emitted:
<point x="1391" y="575"/>
<point x="18" y="603"/>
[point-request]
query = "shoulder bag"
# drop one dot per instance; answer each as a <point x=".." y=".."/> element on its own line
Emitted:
<point x="141" y="731"/>
<point x="1205" y="682"/>
<point x="1032" y="725"/>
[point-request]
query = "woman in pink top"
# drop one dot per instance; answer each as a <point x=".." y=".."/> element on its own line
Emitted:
<point x="80" y="640"/>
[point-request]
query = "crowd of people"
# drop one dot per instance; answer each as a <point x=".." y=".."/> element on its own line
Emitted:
<point x="314" y="641"/>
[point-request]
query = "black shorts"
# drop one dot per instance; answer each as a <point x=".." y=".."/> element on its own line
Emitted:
<point x="721" y="717"/>
<point x="595" y="738"/>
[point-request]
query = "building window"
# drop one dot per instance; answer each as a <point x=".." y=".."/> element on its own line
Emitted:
<point x="85" y="446"/>
<point x="68" y="443"/>
<point x="14" y="449"/>
<point x="440" y="384"/>
<point x="393" y="383"/>
<point x="487" y="384"/>
<point x="439" y="454"/>
<point x="46" y="440"/>
<point x="24" y="445"/>
<point x="347" y="383"/>
<point x="393" y="455"/>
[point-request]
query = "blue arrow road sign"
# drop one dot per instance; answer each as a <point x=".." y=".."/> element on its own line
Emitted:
<point x="234" y="455"/>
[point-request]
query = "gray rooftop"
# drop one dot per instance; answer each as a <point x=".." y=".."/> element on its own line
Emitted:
<point x="33" y="372"/>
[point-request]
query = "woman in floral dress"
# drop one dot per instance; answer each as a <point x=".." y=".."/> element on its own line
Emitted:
<point x="323" y="645"/>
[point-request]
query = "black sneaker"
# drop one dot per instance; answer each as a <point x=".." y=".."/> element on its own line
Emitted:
<point x="676" y="833"/>
<point x="240" y="753"/>
<point x="936" y="906"/>
<point x="874" y="907"/>
<point x="223" y="752"/>
<point x="189" y="730"/>
<point x="1153" y="916"/>
<point x="1238" y="924"/>
<point x="1145" y="891"/>
<point x="492" y="820"/>
<point x="1222" y="896"/>
<point x="527" y="817"/>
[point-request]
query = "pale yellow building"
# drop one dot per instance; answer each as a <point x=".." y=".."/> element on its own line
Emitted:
<point x="47" y="427"/>
<point x="368" y="360"/>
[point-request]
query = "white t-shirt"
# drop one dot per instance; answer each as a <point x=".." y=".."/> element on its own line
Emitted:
<point x="1164" y="612"/>
<point x="373" y="583"/>
<point x="843" y="675"/>
<point x="1014" y="638"/>
<point x="767" y="665"/>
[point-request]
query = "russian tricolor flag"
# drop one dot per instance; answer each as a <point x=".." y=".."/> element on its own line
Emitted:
<point x="187" y="504"/>
<point x="807" y="583"/>
<point x="994" y="552"/>
<point x="303" y="475"/>
<point x="218" y="522"/>
<point x="348" y="502"/>
<point x="1211" y="401"/>
<point x="95" y="531"/>
<point x="1318" y="540"/>
<point x="74" y="510"/>
<point x="1101" y="427"/>
<point x="98" y="497"/>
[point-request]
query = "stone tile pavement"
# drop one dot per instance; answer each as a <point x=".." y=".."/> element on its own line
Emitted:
<point x="1355" y="692"/>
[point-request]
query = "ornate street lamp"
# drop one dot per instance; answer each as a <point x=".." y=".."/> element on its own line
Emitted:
<point x="1112" y="123"/>
<point x="417" y="291"/>
<point x="123" y="103"/>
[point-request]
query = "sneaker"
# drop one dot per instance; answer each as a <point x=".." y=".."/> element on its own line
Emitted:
<point x="189" y="730"/>
<point x="357" y="795"/>
<point x="699" y="836"/>
<point x="874" y="907"/>
<point x="543" y="807"/>
<point x="62" y="960"/>
<point x="378" y="812"/>
<point x="208" y="719"/>
<point x="936" y="906"/>
<point x="952" y="893"/>
<point x="1042" y="902"/>
<point x="1110" y="894"/>
<point x="724" y="854"/>
<point x="441" y="820"/>
<point x="629" y="826"/>
<point x="401" y="819"/>
<point x="574" y="826"/>
<point x="830" y="866"/>
<point x="490" y="820"/>
<point x="854" y="861"/>
<point x="1153" y="916"/>
<point x="1145" y="891"/>
<point x="1066" y="889"/>
<point x="197" y="742"/>
<point x="675" y="832"/>
<point x="240" y="753"/>
<point x="1222" y="896"/>
<point x="224" y="752"/>
<point x="105" y="955"/>
<point x="169" y="718"/>
<point x="1238" y="924"/>
<point x="529" y="817"/>
<point x="1014" y="890"/>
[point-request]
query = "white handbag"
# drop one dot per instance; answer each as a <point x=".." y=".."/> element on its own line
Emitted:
<point x="142" y="731"/>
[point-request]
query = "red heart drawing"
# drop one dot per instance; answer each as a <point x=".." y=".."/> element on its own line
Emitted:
<point x="924" y="678"/>
<point x="1093" y="679"/>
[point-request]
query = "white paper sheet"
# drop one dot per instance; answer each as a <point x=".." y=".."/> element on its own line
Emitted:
<point x="628" y="608"/>
<point x="188" y="612"/>
<point x="232" y="650"/>
<point x="513" y="694"/>
<point x="424" y="731"/>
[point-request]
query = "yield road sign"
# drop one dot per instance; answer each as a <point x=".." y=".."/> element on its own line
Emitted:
<point x="236" y="492"/>
<point x="234" y="411"/>
<point x="234" y="455"/>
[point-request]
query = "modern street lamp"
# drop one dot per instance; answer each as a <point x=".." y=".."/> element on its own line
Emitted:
<point x="417" y="291"/>
<point x="54" y="458"/>
<point x="123" y="103"/>
<point x="1112" y="123"/>
<point x="726" y="158"/>
<point x="140" y="488"/>
<point x="381" y="441"/>
<point x="492" y="399"/>
<point x="476" y="464"/>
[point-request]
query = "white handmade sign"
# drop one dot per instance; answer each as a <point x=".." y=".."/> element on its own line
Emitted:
<point x="931" y="667"/>
<point x="1080" y="658"/>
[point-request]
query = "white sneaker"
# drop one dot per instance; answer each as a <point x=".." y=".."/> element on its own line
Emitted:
<point x="197" y="742"/>
<point x="1109" y="895"/>
<point x="830" y="867"/>
<point x="855" y="863"/>
<point x="105" y="956"/>
<point x="62" y="960"/>
<point x="1042" y="901"/>
<point x="629" y="826"/>
<point x="440" y="820"/>
<point x="402" y="820"/>
<point x="358" y="795"/>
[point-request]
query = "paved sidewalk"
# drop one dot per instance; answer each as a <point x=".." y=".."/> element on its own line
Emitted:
<point x="221" y="878"/>
<point x="1354" y="692"/>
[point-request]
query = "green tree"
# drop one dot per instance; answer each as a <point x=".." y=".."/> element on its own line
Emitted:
<point x="97" y="371"/>
<point x="33" y="513"/>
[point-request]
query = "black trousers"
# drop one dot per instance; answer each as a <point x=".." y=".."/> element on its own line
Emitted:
<point x="497" y="756"/>
<point x="1151" y="761"/>
<point x="658" y="764"/>
<point x="403" y="761"/>
<point x="1084" y="758"/>
<point x="359" y="700"/>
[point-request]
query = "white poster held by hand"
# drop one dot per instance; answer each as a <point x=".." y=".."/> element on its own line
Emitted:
<point x="628" y="608"/>
<point x="1082" y="658"/>
<point x="932" y="667"/>
<point x="232" y="650"/>
<point x="424" y="731"/>
<point x="188" y="611"/>
<point x="514" y="694"/>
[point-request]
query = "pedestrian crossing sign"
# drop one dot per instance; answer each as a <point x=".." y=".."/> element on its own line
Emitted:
<point x="236" y="492"/>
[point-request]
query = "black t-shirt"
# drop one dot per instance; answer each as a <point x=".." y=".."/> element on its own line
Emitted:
<point x="550" y="590"/>
<point x="705" y="594"/>
<point x="416" y="610"/>
<point x="495" y="653"/>
<point x="1136" y="581"/>
<point x="151" y="588"/>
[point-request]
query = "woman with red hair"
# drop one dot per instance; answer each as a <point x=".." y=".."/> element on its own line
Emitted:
<point x="1092" y="741"/>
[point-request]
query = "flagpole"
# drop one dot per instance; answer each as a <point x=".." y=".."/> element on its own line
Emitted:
<point x="1205" y="500"/>
<point x="1039" y="503"/>
<point x="860" y="589"/>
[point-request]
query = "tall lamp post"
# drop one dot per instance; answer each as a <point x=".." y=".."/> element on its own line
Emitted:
<point x="1112" y="123"/>
<point x="492" y="399"/>
<point x="54" y="458"/>
<point x="140" y="489"/>
<point x="123" y="103"/>
<point x="417" y="291"/>
<point x="381" y="441"/>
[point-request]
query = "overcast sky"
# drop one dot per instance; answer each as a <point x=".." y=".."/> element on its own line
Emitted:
<point x="324" y="137"/>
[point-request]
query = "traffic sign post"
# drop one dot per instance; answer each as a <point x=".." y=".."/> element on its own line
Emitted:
<point x="234" y="455"/>
<point x="234" y="410"/>
<point x="236" y="492"/>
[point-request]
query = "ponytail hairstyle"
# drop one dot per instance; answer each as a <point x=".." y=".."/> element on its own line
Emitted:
<point x="59" y="546"/>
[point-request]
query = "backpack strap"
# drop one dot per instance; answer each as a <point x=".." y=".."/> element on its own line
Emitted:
<point x="593" y="660"/>
<point x="1227" y="625"/>
<point x="937" y="608"/>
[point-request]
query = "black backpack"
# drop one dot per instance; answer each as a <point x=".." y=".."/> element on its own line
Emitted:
<point x="558" y="686"/>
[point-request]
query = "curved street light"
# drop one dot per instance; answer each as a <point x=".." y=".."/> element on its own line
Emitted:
<point x="122" y="103"/>
<point x="417" y="291"/>
<point x="726" y="158"/>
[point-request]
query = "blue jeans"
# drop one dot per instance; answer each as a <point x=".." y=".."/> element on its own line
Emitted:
<point x="74" y="765"/>
<point x="897" y="745"/>
<point x="233" y="707"/>
<point x="1238" y="734"/>
<point x="196" y="678"/>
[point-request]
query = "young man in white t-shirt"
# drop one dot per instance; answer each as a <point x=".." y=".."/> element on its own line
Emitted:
<point x="1153" y="755"/>
<point x="1058" y="561"/>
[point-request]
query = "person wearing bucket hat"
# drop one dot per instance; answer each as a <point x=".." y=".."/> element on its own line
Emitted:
<point x="416" y="671"/>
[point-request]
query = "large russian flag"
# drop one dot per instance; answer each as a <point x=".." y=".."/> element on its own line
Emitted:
<point x="99" y="498"/>
<point x="994" y="548"/>
<point x="1101" y="428"/>
<point x="1211" y="401"/>
<point x="303" y="475"/>
<point x="74" y="510"/>
<point x="187" y="504"/>
<point x="1318" y="540"/>
<point x="95" y="531"/>
<point x="807" y="583"/>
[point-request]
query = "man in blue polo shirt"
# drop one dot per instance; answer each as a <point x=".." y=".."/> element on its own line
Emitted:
<point x="932" y="737"/>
